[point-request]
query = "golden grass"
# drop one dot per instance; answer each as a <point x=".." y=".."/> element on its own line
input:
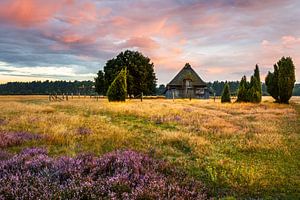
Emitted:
<point x="237" y="148"/>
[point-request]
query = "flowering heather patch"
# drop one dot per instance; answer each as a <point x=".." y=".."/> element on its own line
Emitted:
<point x="15" y="138"/>
<point x="84" y="131"/>
<point x="2" y="122"/>
<point x="117" y="175"/>
<point x="4" y="155"/>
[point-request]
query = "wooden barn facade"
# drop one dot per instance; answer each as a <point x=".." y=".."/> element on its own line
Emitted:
<point x="187" y="84"/>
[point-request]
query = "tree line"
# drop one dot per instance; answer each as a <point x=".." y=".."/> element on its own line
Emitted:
<point x="47" y="87"/>
<point x="87" y="87"/>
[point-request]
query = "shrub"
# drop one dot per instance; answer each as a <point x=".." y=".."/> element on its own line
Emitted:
<point x="4" y="155"/>
<point x="254" y="91"/>
<point x="226" y="94"/>
<point x="242" y="91"/>
<point x="15" y="138"/>
<point x="117" y="91"/>
<point x="250" y="92"/>
<point x="272" y="83"/>
<point x="280" y="83"/>
<point x="117" y="175"/>
<point x="259" y="85"/>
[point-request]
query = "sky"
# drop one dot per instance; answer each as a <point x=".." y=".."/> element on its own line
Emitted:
<point x="73" y="39"/>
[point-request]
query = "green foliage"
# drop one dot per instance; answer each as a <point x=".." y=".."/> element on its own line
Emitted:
<point x="161" y="89"/>
<point x="242" y="91"/>
<point x="286" y="79"/>
<point x="254" y="91"/>
<point x="296" y="91"/>
<point x="117" y="91"/>
<point x="226" y="94"/>
<point x="100" y="83"/>
<point x="272" y="83"/>
<point x="47" y="87"/>
<point x="140" y="72"/>
<point x="250" y="92"/>
<point x="281" y="82"/>
<point x="218" y="86"/>
<point x="259" y="85"/>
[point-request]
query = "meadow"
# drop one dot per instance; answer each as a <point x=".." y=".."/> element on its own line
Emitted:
<point x="237" y="150"/>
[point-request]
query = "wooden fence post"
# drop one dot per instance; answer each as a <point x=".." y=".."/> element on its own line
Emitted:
<point x="142" y="97"/>
<point x="173" y="95"/>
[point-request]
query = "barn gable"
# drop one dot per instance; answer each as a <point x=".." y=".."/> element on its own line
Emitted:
<point x="187" y="84"/>
<point x="187" y="72"/>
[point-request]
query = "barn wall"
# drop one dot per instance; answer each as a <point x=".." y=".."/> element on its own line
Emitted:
<point x="180" y="93"/>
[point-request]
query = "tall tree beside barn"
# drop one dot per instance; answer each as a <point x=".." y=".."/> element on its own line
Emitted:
<point x="140" y="72"/>
<point x="117" y="91"/>
<point x="281" y="82"/>
<point x="226" y="94"/>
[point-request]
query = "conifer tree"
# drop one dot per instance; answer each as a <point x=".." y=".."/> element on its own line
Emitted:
<point x="226" y="94"/>
<point x="259" y="85"/>
<point x="117" y="91"/>
<point x="280" y="83"/>
<point x="242" y="91"/>
<point x="286" y="79"/>
<point x="254" y="92"/>
<point x="272" y="83"/>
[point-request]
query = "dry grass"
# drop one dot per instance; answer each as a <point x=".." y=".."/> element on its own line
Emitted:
<point x="249" y="150"/>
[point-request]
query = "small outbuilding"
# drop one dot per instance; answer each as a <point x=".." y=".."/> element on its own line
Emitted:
<point x="187" y="84"/>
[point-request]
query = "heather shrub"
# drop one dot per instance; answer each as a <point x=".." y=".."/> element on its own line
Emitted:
<point x="16" y="138"/>
<point x="117" y="175"/>
<point x="4" y="155"/>
<point x="84" y="131"/>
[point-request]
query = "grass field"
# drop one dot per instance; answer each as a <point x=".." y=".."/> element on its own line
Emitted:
<point x="239" y="150"/>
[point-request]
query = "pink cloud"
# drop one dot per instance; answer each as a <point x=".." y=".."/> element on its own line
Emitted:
<point x="141" y="42"/>
<point x="28" y="12"/>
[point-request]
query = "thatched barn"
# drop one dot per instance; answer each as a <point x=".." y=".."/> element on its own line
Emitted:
<point x="187" y="84"/>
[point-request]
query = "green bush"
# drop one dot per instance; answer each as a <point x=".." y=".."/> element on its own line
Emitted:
<point x="250" y="92"/>
<point x="117" y="91"/>
<point x="272" y="83"/>
<point x="259" y="85"/>
<point x="226" y="94"/>
<point x="242" y="91"/>
<point x="280" y="83"/>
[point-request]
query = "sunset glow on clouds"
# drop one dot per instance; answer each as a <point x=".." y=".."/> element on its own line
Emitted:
<point x="72" y="39"/>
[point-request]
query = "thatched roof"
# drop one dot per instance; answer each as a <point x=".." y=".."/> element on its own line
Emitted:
<point x="187" y="72"/>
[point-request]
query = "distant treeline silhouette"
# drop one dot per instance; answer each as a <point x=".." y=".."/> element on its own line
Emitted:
<point x="87" y="88"/>
<point x="47" y="87"/>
